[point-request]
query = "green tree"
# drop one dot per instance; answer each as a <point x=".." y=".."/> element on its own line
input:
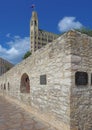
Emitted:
<point x="85" y="31"/>
<point x="27" y="54"/>
<point x="7" y="67"/>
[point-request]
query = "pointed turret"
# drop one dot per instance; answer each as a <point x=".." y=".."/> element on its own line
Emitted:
<point x="34" y="31"/>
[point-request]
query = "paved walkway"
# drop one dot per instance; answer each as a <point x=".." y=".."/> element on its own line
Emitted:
<point x="13" y="117"/>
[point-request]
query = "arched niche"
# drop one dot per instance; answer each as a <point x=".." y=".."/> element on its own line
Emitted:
<point x="8" y="86"/>
<point x="4" y="86"/>
<point x="25" y="84"/>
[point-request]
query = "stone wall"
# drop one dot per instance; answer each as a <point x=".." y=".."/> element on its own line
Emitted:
<point x="5" y="66"/>
<point x="60" y="79"/>
<point x="81" y="95"/>
<point x="50" y="101"/>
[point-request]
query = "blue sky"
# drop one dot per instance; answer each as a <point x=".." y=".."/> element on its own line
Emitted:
<point x="54" y="15"/>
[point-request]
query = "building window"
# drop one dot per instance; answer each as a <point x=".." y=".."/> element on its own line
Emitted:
<point x="1" y="86"/>
<point x="31" y="22"/>
<point x="38" y="38"/>
<point x="8" y="86"/>
<point x="4" y="87"/>
<point x="81" y="78"/>
<point x="35" y="23"/>
<point x="31" y="32"/>
<point x="43" y="80"/>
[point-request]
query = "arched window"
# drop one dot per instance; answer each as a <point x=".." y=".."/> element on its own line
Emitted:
<point x="35" y="22"/>
<point x="31" y="22"/>
<point x="25" y="84"/>
<point x="8" y="86"/>
<point x="4" y="87"/>
<point x="1" y="86"/>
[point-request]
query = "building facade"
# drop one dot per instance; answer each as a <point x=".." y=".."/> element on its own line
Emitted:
<point x="39" y="37"/>
<point x="4" y="66"/>
<point x="56" y="82"/>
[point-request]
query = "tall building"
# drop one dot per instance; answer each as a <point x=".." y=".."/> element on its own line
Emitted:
<point x="39" y="37"/>
<point x="5" y="66"/>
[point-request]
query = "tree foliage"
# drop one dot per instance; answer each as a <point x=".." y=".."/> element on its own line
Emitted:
<point x="85" y="31"/>
<point x="27" y="54"/>
<point x="7" y="67"/>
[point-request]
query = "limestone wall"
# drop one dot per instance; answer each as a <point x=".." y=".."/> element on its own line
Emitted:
<point x="81" y="95"/>
<point x="50" y="101"/>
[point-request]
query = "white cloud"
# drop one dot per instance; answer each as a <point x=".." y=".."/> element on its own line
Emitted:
<point x="68" y="23"/>
<point x="12" y="51"/>
<point x="17" y="48"/>
<point x="2" y="50"/>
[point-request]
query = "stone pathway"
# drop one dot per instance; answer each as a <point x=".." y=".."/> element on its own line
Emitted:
<point x="13" y="117"/>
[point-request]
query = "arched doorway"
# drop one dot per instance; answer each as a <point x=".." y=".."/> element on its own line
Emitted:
<point x="25" y="84"/>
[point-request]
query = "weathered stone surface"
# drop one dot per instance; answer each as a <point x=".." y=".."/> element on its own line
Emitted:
<point x="60" y="101"/>
<point x="54" y="62"/>
<point x="14" y="117"/>
<point x="81" y="106"/>
<point x="75" y="59"/>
